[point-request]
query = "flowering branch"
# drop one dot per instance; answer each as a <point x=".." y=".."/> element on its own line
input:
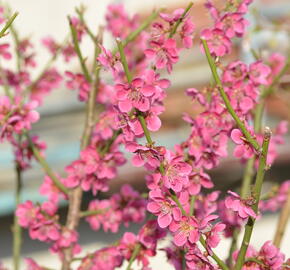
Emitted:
<point x="257" y="192"/>
<point x="214" y="256"/>
<point x="173" y="31"/>
<point x="134" y="255"/>
<point x="8" y="24"/>
<point x="45" y="166"/>
<point x="78" y="51"/>
<point x="226" y="100"/>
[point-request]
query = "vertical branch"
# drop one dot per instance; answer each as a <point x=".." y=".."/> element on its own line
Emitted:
<point x="75" y="197"/>
<point x="257" y="192"/>
<point x="17" y="234"/>
<point x="282" y="223"/>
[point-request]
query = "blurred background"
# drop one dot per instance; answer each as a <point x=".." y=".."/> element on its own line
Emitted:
<point x="63" y="116"/>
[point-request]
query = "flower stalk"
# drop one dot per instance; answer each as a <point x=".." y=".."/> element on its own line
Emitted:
<point x="256" y="194"/>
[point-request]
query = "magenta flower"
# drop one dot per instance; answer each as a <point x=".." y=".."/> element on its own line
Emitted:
<point x="213" y="236"/>
<point x="32" y="265"/>
<point x="108" y="60"/>
<point x="186" y="33"/>
<point x="176" y="172"/>
<point x="259" y="73"/>
<point x="4" y="51"/>
<point x="108" y="258"/>
<point x="232" y="24"/>
<point x="164" y="208"/>
<point x="198" y="179"/>
<point x="16" y="117"/>
<point x="150" y="233"/>
<point x="235" y="72"/>
<point x="272" y="256"/>
<point x="164" y="53"/>
<point x="196" y="260"/>
<point x="78" y="81"/>
<point x="243" y="148"/>
<point x="135" y="95"/>
<point x="243" y="207"/>
<point x="185" y="231"/>
<point x="218" y="43"/>
<point x="150" y="156"/>
<point x="172" y="18"/>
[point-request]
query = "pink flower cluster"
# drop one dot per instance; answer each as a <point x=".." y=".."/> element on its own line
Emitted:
<point x="16" y="117"/>
<point x="93" y="170"/>
<point x="122" y="208"/>
<point x="42" y="223"/>
<point x="269" y="255"/>
<point x="226" y="26"/>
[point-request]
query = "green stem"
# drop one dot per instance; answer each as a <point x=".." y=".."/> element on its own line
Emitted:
<point x="46" y="167"/>
<point x="220" y="262"/>
<point x="233" y="246"/>
<point x="123" y="60"/>
<point x="134" y="255"/>
<point x="257" y="193"/>
<point x="8" y="24"/>
<point x="175" y="199"/>
<point x="145" y="129"/>
<point x="192" y="201"/>
<point x="173" y="31"/>
<point x="226" y="100"/>
<point x="91" y="213"/>
<point x="17" y="235"/>
<point x="78" y="52"/>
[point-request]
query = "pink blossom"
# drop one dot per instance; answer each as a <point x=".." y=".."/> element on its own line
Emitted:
<point x="258" y="73"/>
<point x="49" y="189"/>
<point x="78" y="81"/>
<point x="186" y="33"/>
<point x="243" y="148"/>
<point x="218" y="43"/>
<point x="196" y="260"/>
<point x="16" y="117"/>
<point x="272" y="256"/>
<point x="150" y="156"/>
<point x="198" y="179"/>
<point x="4" y="51"/>
<point x="243" y="207"/>
<point x="78" y="26"/>
<point x="108" y="258"/>
<point x="118" y="21"/>
<point x="233" y="24"/>
<point x="50" y="44"/>
<point x="50" y="80"/>
<point x="172" y="18"/>
<point x="108" y="60"/>
<point x="134" y="95"/>
<point x="32" y="265"/>
<point x="235" y="72"/>
<point x="185" y="231"/>
<point x="176" y="172"/>
<point x="150" y="233"/>
<point x="213" y="235"/>
<point x="164" y="208"/>
<point x="164" y="53"/>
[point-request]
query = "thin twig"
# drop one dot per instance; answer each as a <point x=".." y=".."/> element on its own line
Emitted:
<point x="282" y="223"/>
<point x="8" y="24"/>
